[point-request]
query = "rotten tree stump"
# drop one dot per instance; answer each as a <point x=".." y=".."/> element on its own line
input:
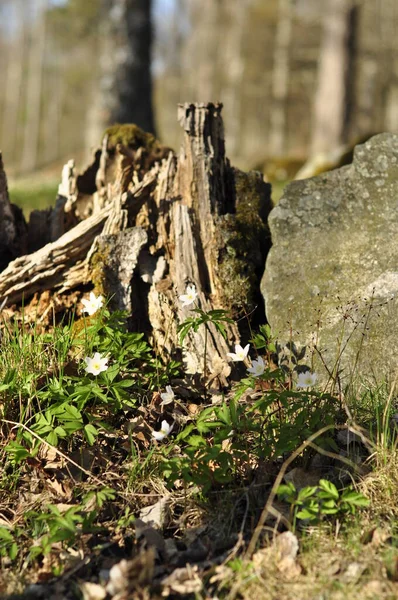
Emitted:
<point x="141" y="223"/>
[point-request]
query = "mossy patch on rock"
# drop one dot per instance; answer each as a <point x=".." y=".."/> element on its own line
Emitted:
<point x="331" y="275"/>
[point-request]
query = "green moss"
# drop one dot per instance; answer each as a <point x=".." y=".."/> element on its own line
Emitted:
<point x="243" y="240"/>
<point x="132" y="136"/>
<point x="97" y="262"/>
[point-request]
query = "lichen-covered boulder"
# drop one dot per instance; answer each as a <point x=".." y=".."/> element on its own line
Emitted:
<point x="331" y="276"/>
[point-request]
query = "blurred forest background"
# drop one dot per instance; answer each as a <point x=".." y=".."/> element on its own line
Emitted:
<point x="296" y="77"/>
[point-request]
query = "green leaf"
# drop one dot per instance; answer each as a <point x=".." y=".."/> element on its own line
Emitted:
<point x="52" y="438"/>
<point x="287" y="491"/>
<point x="306" y="492"/>
<point x="196" y="441"/>
<point x="125" y="383"/>
<point x="329" y="487"/>
<point x="72" y="413"/>
<point x="17" y="452"/>
<point x="6" y="535"/>
<point x="354" y="498"/>
<point x="13" y="551"/>
<point x="90" y="433"/>
<point x="305" y="513"/>
<point x="112" y="372"/>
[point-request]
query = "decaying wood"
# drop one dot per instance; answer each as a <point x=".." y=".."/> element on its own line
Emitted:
<point x="12" y="224"/>
<point x="141" y="239"/>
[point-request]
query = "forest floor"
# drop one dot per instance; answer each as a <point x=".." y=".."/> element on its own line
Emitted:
<point x="123" y="477"/>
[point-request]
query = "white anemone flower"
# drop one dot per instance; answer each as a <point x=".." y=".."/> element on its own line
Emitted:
<point x="257" y="368"/>
<point x="306" y="380"/>
<point x="190" y="295"/>
<point x="167" y="396"/>
<point x="240" y="353"/>
<point x="93" y="304"/>
<point x="97" y="364"/>
<point x="165" y="429"/>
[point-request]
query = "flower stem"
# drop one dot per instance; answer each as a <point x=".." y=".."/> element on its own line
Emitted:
<point x="205" y="362"/>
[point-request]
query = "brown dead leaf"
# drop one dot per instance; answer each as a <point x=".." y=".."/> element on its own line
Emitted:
<point x="353" y="572"/>
<point x="193" y="409"/>
<point x="376" y="536"/>
<point x="155" y="514"/>
<point x="333" y="568"/>
<point x="92" y="591"/>
<point x="286" y="545"/>
<point x="152" y="537"/>
<point x="373" y="589"/>
<point x="130" y="575"/>
<point x="221" y="573"/>
<point x="184" y="581"/>
<point x="289" y="567"/>
<point x="61" y="489"/>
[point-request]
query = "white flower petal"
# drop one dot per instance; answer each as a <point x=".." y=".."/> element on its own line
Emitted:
<point x="93" y="304"/>
<point x="189" y="297"/>
<point x="240" y="353"/>
<point x="257" y="368"/>
<point x="97" y="364"/>
<point x="306" y="380"/>
<point x="165" y="429"/>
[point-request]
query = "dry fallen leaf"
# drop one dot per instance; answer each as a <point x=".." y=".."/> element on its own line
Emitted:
<point x="151" y="536"/>
<point x="286" y="547"/>
<point x="129" y="575"/>
<point x="155" y="515"/>
<point x="353" y="572"/>
<point x="182" y="581"/>
<point x="92" y="591"/>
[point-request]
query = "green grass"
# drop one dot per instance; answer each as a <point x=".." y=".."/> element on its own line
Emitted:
<point x="31" y="195"/>
<point x="79" y="462"/>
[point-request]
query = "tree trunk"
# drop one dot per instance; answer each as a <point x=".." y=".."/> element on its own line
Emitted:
<point x="236" y="12"/>
<point x="13" y="85"/>
<point x="330" y="98"/>
<point x="13" y="237"/>
<point x="126" y="83"/>
<point x="34" y="89"/>
<point x="142" y="238"/>
<point x="280" y="79"/>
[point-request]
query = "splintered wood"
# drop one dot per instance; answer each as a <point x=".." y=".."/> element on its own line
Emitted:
<point x="169" y="220"/>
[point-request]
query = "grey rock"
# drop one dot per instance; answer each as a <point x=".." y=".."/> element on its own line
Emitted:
<point x="331" y="276"/>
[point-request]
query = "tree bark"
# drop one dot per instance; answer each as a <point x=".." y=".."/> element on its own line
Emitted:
<point x="330" y="98"/>
<point x="34" y="90"/>
<point x="280" y="78"/>
<point x="13" y="85"/>
<point x="13" y="239"/>
<point x="140" y="240"/>
<point x="126" y="83"/>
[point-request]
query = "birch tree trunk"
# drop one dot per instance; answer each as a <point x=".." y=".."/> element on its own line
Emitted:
<point x="280" y="79"/>
<point x="34" y="89"/>
<point x="13" y="85"/>
<point x="233" y="52"/>
<point x="330" y="98"/>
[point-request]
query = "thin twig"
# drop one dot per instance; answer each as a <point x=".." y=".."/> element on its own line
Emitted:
<point x="43" y="441"/>
<point x="277" y="483"/>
